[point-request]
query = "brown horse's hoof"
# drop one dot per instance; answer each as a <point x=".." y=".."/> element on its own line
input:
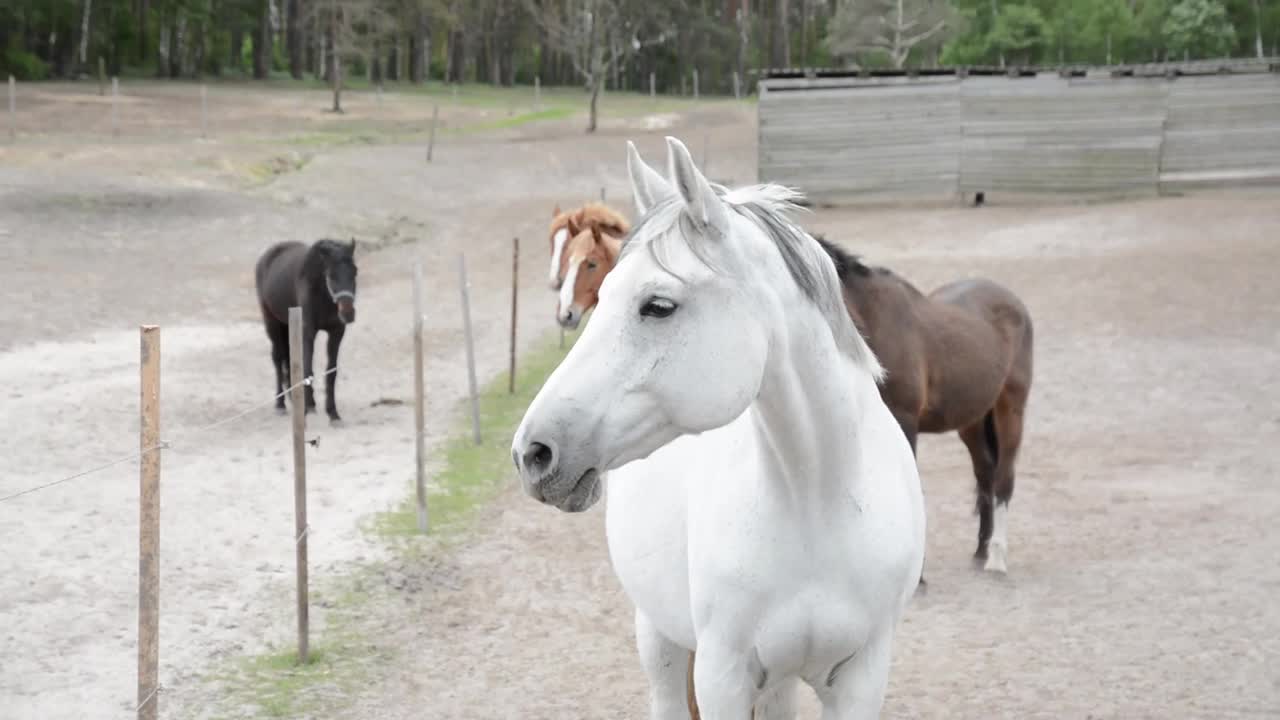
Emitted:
<point x="980" y="558"/>
<point x="336" y="422"/>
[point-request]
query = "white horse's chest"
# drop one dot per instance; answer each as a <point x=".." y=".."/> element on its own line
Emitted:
<point x="803" y="592"/>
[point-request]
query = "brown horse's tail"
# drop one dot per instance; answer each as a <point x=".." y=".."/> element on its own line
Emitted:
<point x="989" y="434"/>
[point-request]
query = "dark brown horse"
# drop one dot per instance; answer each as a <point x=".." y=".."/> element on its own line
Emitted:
<point x="321" y="279"/>
<point x="959" y="359"/>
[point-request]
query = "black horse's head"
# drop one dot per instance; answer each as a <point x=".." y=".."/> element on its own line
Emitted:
<point x="340" y="275"/>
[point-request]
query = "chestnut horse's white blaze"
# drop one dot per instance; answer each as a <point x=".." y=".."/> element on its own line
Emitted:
<point x="558" y="240"/>
<point x="566" y="310"/>
<point x="763" y="504"/>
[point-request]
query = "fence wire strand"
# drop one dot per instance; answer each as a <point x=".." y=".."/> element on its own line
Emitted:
<point x="165" y="444"/>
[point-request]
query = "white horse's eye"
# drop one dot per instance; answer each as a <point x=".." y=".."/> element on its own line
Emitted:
<point x="657" y="307"/>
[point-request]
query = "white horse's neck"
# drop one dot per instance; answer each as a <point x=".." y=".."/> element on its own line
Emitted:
<point x="809" y="413"/>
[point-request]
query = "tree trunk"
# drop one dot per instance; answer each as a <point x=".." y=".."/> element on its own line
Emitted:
<point x="1257" y="27"/>
<point x="262" y="41"/>
<point x="742" y="45"/>
<point x="144" y="49"/>
<point x="420" y="50"/>
<point x="781" y="41"/>
<point x="995" y="13"/>
<point x="595" y="96"/>
<point x="1108" y="47"/>
<point x="392" y="72"/>
<point x="82" y="58"/>
<point x="176" y="38"/>
<point x="335" y="63"/>
<point x="330" y="53"/>
<point x="162" y="48"/>
<point x="235" y="57"/>
<point x="293" y="38"/>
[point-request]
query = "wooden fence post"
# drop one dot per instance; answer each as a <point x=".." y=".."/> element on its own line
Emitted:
<point x="737" y="86"/>
<point x="515" y="294"/>
<point x="102" y="77"/>
<point x="435" y="117"/>
<point x="695" y="83"/>
<point x="471" y="351"/>
<point x="149" y="528"/>
<point x="537" y="93"/>
<point x="204" y="110"/>
<point x="419" y="401"/>
<point x="652" y="84"/>
<point x="297" y="398"/>
<point x="13" y="108"/>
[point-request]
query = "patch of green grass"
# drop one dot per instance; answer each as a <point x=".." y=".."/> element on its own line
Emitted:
<point x="273" y="684"/>
<point x="554" y="113"/>
<point x="471" y="474"/>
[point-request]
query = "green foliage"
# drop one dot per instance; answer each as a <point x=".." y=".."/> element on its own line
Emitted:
<point x="1199" y="28"/>
<point x="23" y="65"/>
<point x="1020" y="32"/>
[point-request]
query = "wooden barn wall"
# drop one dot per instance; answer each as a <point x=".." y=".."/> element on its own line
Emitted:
<point x="862" y="140"/>
<point x="1050" y="135"/>
<point x="1222" y="130"/>
<point x="844" y="139"/>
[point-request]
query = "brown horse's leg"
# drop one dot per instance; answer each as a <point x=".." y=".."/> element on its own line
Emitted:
<point x="980" y="439"/>
<point x="692" y="699"/>
<point x="1008" y="426"/>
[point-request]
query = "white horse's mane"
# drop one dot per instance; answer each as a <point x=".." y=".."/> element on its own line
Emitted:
<point x="769" y="205"/>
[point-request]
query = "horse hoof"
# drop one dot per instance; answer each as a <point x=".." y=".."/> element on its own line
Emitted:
<point x="281" y="410"/>
<point x="336" y="422"/>
<point x="996" y="560"/>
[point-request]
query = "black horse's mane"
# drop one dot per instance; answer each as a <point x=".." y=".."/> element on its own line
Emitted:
<point x="321" y="250"/>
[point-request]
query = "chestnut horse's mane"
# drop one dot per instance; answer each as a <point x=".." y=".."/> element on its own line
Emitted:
<point x="594" y="214"/>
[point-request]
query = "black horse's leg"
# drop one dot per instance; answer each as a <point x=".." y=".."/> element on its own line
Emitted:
<point x="279" y="360"/>
<point x="331" y="372"/>
<point x="308" y="347"/>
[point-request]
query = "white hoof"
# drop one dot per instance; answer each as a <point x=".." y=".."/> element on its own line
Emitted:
<point x="996" y="559"/>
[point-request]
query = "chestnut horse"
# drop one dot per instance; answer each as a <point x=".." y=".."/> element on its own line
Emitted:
<point x="589" y="255"/>
<point x="593" y="215"/>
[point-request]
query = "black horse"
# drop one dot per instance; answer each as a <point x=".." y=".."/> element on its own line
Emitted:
<point x="321" y="279"/>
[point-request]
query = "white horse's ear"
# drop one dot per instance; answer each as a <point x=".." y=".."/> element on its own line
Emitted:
<point x="647" y="186"/>
<point x="704" y="205"/>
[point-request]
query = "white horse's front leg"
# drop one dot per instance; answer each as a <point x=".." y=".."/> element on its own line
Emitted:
<point x="854" y="689"/>
<point x="667" y="667"/>
<point x="725" y="681"/>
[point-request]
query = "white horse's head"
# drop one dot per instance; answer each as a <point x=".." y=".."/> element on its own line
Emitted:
<point x="708" y="282"/>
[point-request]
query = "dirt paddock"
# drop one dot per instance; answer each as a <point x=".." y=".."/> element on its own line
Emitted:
<point x="1142" y="531"/>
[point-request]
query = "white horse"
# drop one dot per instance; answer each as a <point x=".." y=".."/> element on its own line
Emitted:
<point x="763" y="505"/>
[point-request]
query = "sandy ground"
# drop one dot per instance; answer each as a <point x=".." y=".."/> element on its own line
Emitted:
<point x="1142" y="565"/>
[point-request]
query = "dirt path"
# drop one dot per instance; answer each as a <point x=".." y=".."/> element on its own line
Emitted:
<point x="1142" y="555"/>
<point x="1142" y="536"/>
<point x="98" y="239"/>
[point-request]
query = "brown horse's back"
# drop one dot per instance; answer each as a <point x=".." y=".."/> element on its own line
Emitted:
<point x="982" y="331"/>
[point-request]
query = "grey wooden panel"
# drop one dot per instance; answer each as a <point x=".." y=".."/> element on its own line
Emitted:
<point x="863" y="139"/>
<point x="1046" y="134"/>
<point x="1223" y="128"/>
<point x="1052" y="135"/>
